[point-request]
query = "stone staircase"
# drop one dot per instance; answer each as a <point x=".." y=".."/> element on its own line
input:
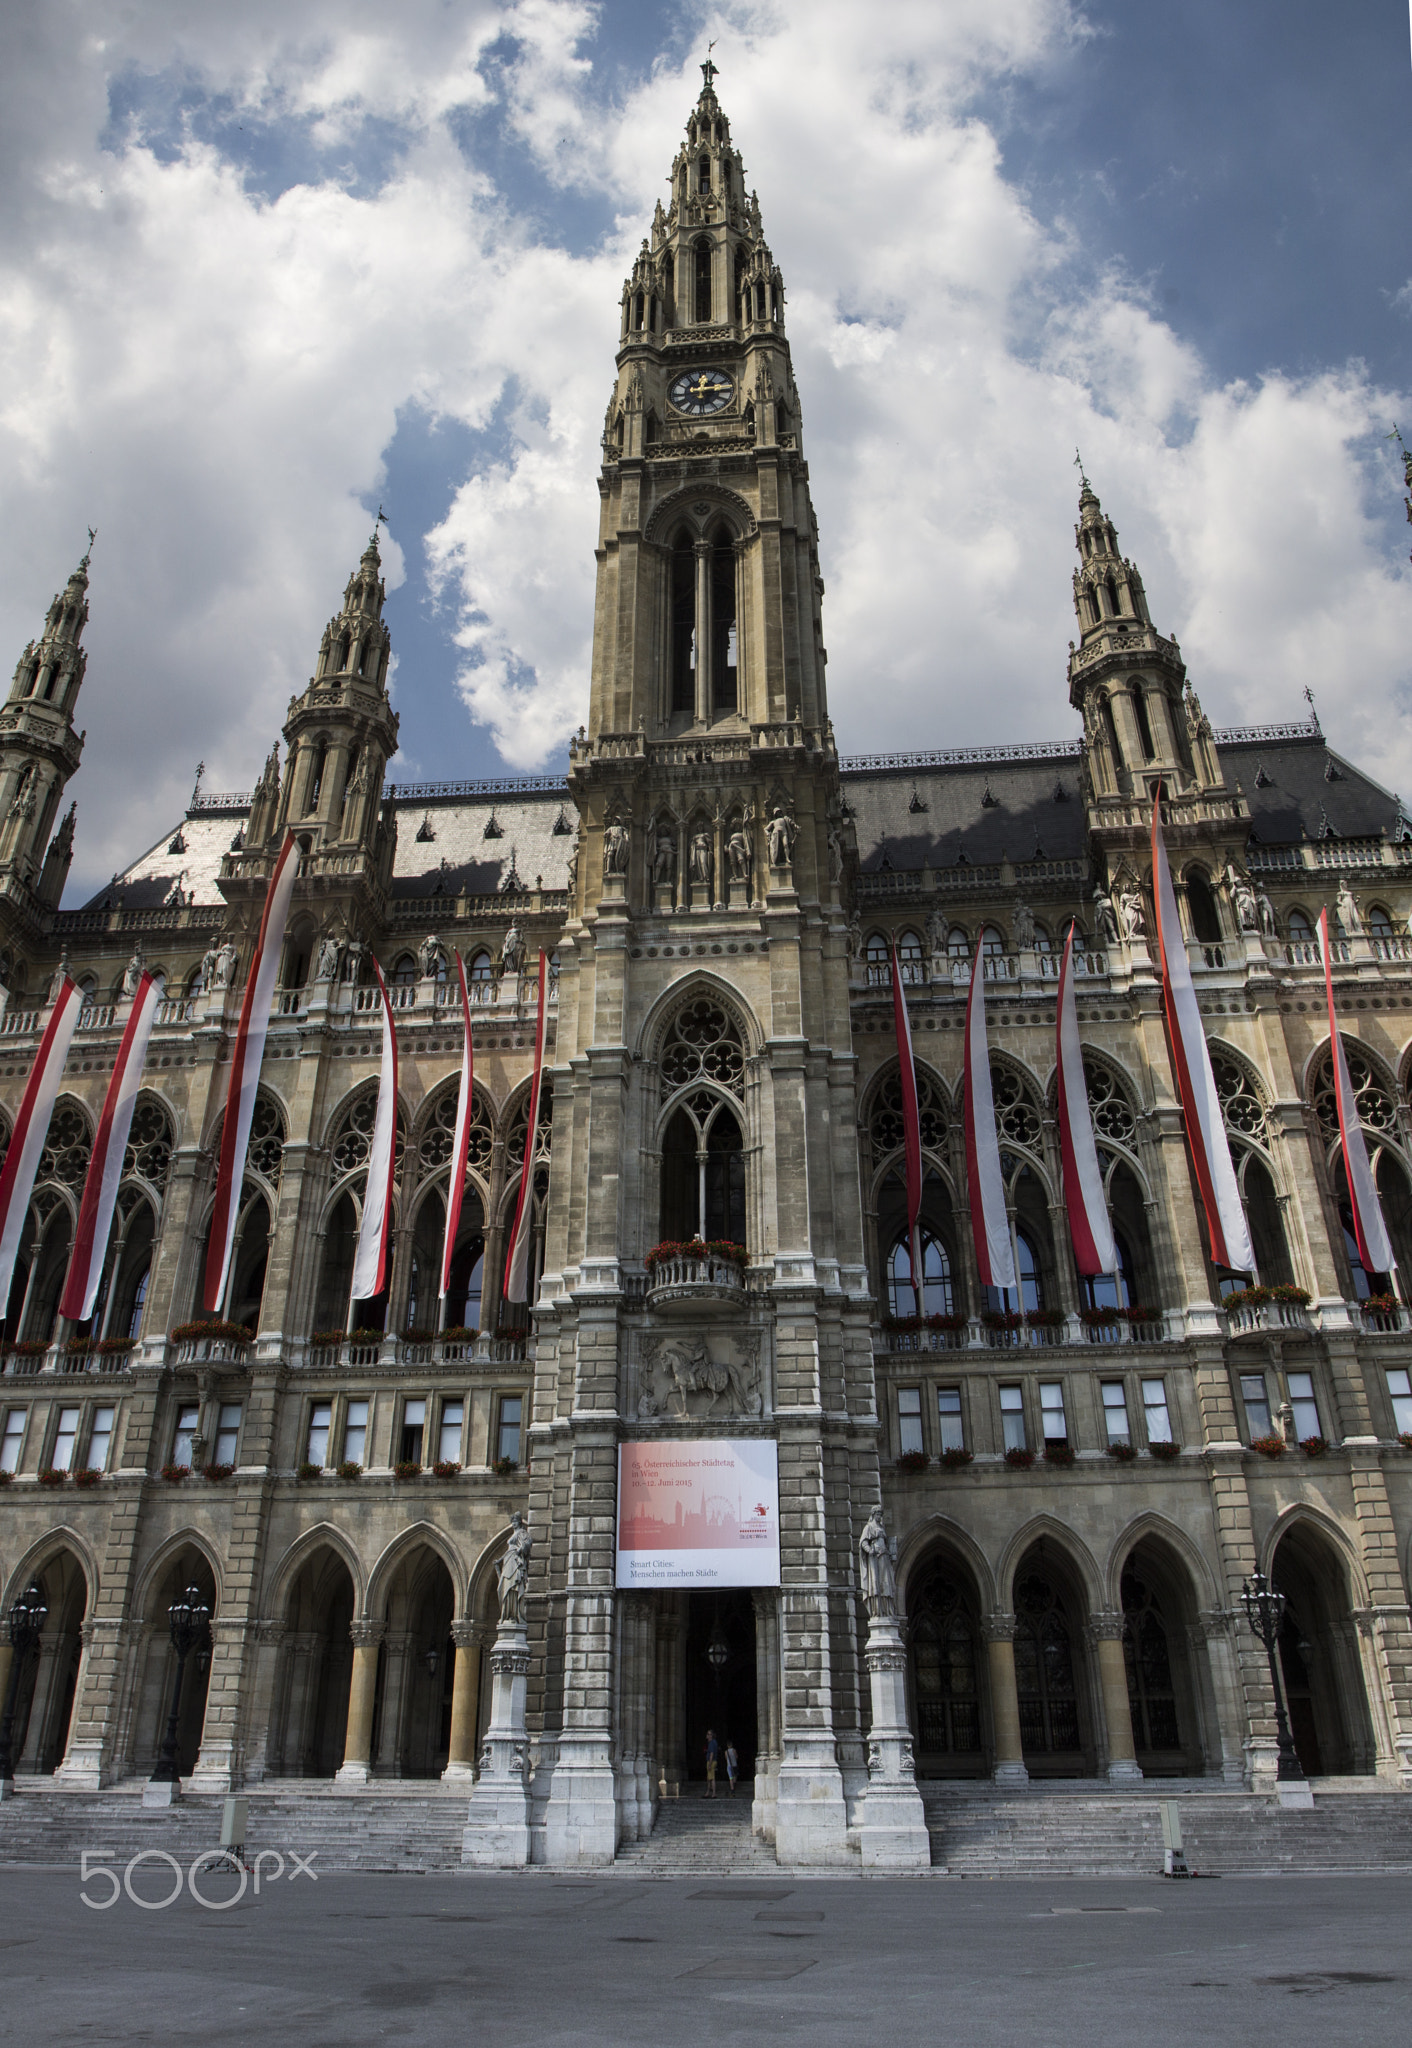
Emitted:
<point x="392" y="1830"/>
<point x="693" y="1836"/>
<point x="1047" y="1832"/>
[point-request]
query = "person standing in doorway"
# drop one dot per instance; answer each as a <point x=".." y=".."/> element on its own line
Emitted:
<point x="713" y="1757"/>
<point x="732" y="1766"/>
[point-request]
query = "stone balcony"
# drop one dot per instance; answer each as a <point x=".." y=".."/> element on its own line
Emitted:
<point x="692" y="1283"/>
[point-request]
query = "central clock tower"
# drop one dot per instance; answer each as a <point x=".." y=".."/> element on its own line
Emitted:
<point x="704" y="1085"/>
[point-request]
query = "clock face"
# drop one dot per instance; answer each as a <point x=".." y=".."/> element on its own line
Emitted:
<point x="700" y="391"/>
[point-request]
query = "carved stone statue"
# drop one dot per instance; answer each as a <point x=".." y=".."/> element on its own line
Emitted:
<point x="56" y="980"/>
<point x="512" y="1576"/>
<point x="223" y="972"/>
<point x="738" y="852"/>
<point x="835" y="854"/>
<point x="132" y="974"/>
<point x="326" y="966"/>
<point x="1243" y="897"/>
<point x="512" y="952"/>
<point x="875" y="1565"/>
<point x="1129" y="908"/>
<point x="664" y="855"/>
<point x="429" y="956"/>
<point x="781" y="832"/>
<point x="617" y="843"/>
<point x="1268" y="924"/>
<point x="1022" y="926"/>
<point x="1348" y="914"/>
<point x="701" y="857"/>
<point x="855" y="936"/>
<point x="207" y="973"/>
<point x="1106" y="915"/>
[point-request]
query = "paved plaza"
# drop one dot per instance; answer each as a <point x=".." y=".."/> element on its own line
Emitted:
<point x="504" y="1960"/>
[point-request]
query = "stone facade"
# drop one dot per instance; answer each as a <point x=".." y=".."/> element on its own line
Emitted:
<point x="1068" y="1479"/>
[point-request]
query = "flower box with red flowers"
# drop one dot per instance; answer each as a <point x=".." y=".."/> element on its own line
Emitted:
<point x="1164" y="1453"/>
<point x="1058" y="1453"/>
<point x="1268" y="1446"/>
<point x="408" y="1468"/>
<point x="956" y="1457"/>
<point x="51" y="1476"/>
<point x="1313" y="1446"/>
<point x="1121" y="1454"/>
<point x="446" y="1468"/>
<point x="913" y="1461"/>
<point x="174" y="1474"/>
<point x="87" y="1475"/>
<point x="1021" y="1460"/>
<point x="217" y="1472"/>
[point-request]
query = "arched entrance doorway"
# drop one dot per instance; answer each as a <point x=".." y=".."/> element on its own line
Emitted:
<point x="44" y="1703"/>
<point x="1318" y="1657"/>
<point x="950" y="1711"/>
<point x="189" y="1568"/>
<point x="719" y="1672"/>
<point x="1164" y="1684"/>
<point x="316" y="1669"/>
<point x="416" y="1670"/>
<point x="1052" y="1678"/>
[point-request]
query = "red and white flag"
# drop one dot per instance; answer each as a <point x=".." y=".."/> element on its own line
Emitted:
<point x="985" y="1184"/>
<point x="911" y="1125"/>
<point x="246" y="1057"/>
<point x="1369" y="1229"/>
<point x="32" y="1128"/>
<point x="105" y="1167"/>
<point x="456" y="1187"/>
<point x="370" y="1260"/>
<point x="1196" y="1084"/>
<point x="1090" y="1226"/>
<point x="518" y="1258"/>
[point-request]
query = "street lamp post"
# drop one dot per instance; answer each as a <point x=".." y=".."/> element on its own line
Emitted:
<point x="27" y="1619"/>
<point x="1264" y="1610"/>
<point x="190" y="1621"/>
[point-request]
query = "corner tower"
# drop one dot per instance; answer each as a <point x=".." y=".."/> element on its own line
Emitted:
<point x="39" y="752"/>
<point x="704" y="1080"/>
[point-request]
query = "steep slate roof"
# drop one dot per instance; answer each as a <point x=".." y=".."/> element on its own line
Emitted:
<point x="1297" y="797"/>
<point x="457" y="857"/>
<point x="992" y="802"/>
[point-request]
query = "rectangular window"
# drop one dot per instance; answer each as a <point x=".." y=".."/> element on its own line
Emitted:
<point x="909" y="1420"/>
<point x="320" y="1419"/>
<point x="948" y="1415"/>
<point x="1303" y="1405"/>
<point x="1399" y="1387"/>
<point x="355" y="1434"/>
<point x="1154" y="1411"/>
<point x="1012" y="1418"/>
<point x="227" y="1433"/>
<point x="1115" y="1412"/>
<point x="414" y="1422"/>
<point x="187" y="1419"/>
<point x="1051" y="1404"/>
<point x="100" y="1439"/>
<point x="65" y="1437"/>
<point x="1257" y="1404"/>
<point x="449" y="1442"/>
<point x="507" y="1437"/>
<point x="12" y="1440"/>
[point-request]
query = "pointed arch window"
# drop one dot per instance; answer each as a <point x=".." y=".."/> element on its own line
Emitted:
<point x="703" y="282"/>
<point x="1044" y="1670"/>
<point x="316" y="783"/>
<point x="1144" y="723"/>
<point x="938" y="1294"/>
<point x="725" y="684"/>
<point x="1205" y="919"/>
<point x="683" y="623"/>
<point x="703" y="175"/>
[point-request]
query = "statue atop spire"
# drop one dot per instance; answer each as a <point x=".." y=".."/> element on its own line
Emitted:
<point x="710" y="72"/>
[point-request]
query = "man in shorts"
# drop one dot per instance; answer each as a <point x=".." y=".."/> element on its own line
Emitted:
<point x="713" y="1757"/>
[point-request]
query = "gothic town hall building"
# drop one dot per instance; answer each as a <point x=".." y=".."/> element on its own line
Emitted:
<point x="1077" y="1481"/>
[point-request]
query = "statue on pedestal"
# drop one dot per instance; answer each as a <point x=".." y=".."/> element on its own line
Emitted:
<point x="875" y="1561"/>
<point x="512" y="1576"/>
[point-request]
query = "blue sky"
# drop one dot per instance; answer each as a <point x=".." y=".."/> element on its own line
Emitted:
<point x="268" y="268"/>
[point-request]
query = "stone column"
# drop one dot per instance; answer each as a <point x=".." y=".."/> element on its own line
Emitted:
<point x="470" y="1638"/>
<point x="894" y="1831"/>
<point x="1213" y="1633"/>
<point x="999" y="1632"/>
<point x="265" y="1639"/>
<point x="358" y="1742"/>
<point x="1106" y="1635"/>
<point x="497" y="1835"/>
